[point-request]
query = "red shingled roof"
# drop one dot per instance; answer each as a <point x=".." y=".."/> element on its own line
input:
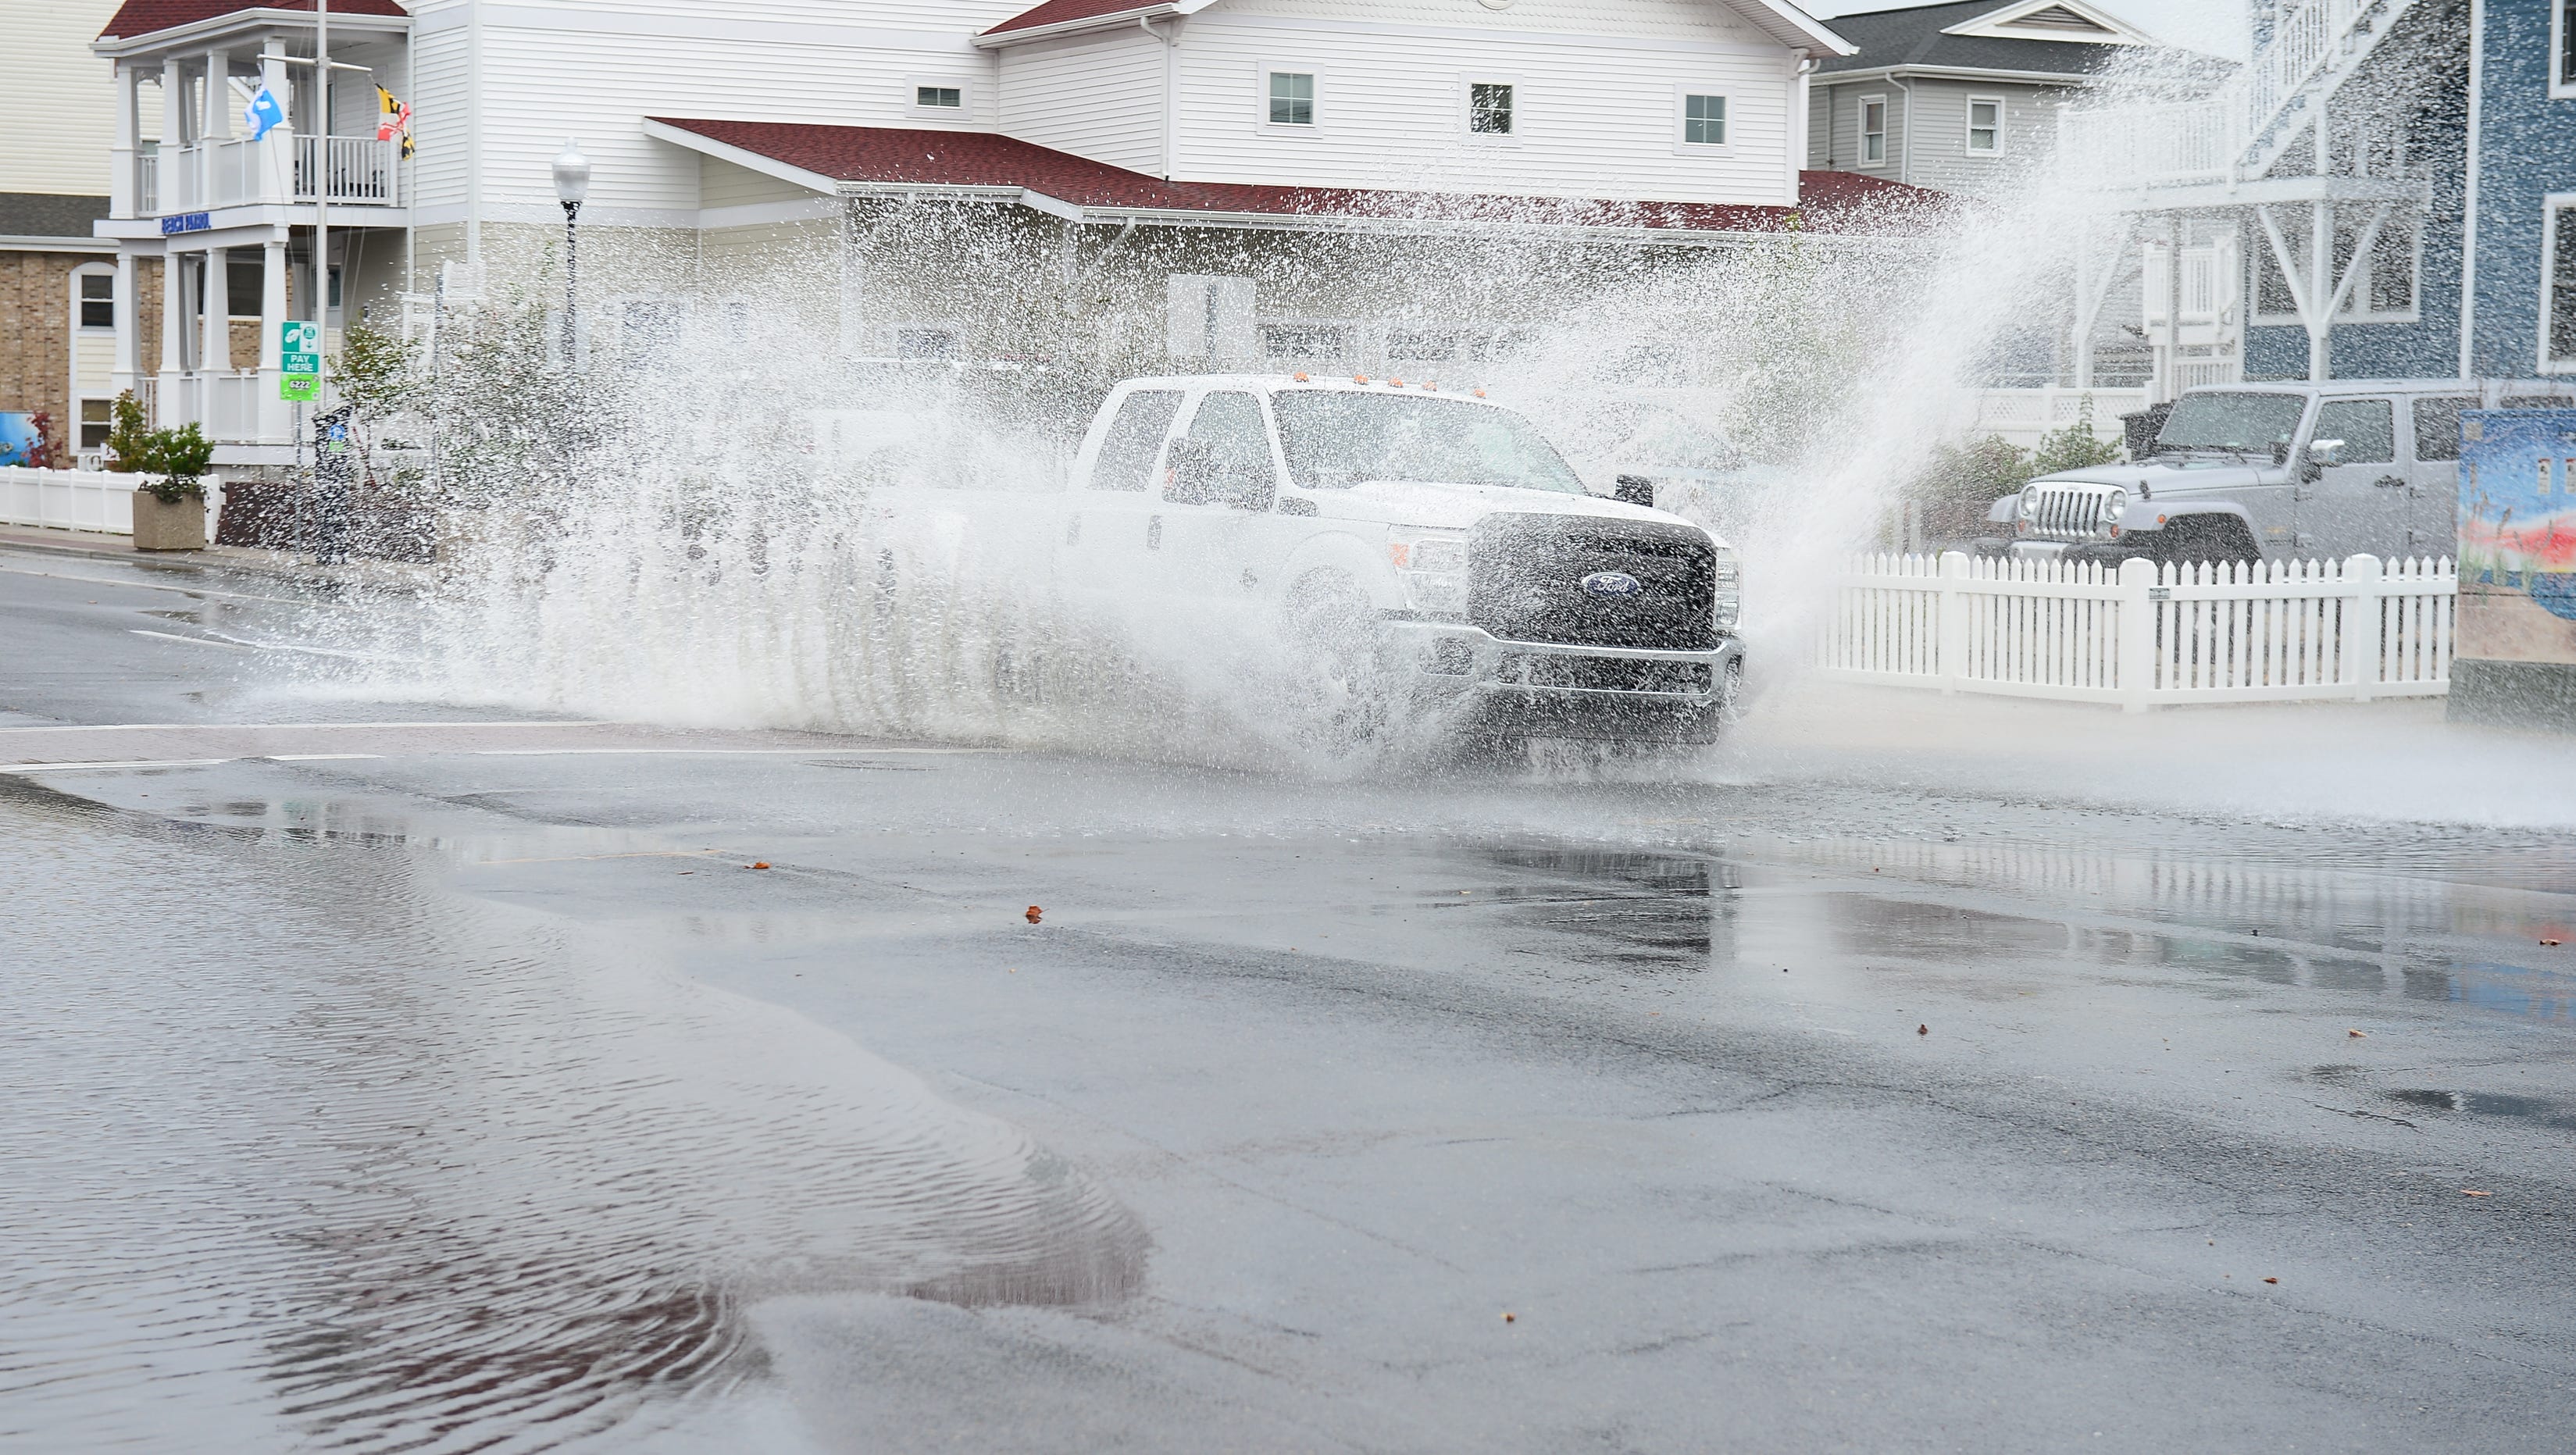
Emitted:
<point x="903" y="156"/>
<point x="1057" y="12"/>
<point x="142" y="17"/>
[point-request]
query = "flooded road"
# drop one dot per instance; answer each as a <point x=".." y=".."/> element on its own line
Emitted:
<point x="403" y="1076"/>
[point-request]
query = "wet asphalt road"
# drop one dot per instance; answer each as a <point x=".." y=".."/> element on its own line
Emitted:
<point x="455" y="1085"/>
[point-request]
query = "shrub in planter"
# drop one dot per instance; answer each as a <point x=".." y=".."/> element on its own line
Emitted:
<point x="170" y="513"/>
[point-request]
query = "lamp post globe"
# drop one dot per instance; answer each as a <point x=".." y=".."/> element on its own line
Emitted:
<point x="572" y="184"/>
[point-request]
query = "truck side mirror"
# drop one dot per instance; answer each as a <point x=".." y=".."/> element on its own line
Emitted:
<point x="1636" y="490"/>
<point x="2323" y="455"/>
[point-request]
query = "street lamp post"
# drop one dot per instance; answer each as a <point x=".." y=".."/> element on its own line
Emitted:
<point x="572" y="184"/>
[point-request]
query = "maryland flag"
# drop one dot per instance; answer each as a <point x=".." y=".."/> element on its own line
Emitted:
<point x="393" y="118"/>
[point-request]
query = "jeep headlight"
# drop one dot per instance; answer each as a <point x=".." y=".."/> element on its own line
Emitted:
<point x="2115" y="505"/>
<point x="1433" y="570"/>
<point x="1730" y="590"/>
<point x="2030" y="503"/>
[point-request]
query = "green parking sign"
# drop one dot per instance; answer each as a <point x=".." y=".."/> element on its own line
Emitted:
<point x="300" y="338"/>
<point x="303" y="388"/>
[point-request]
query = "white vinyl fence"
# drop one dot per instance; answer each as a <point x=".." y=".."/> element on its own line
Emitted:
<point x="91" y="500"/>
<point x="2145" y="634"/>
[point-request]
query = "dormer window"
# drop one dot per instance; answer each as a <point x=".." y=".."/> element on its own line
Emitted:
<point x="945" y="98"/>
<point x="1489" y="108"/>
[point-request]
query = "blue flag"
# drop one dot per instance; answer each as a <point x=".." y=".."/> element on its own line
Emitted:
<point x="263" y="113"/>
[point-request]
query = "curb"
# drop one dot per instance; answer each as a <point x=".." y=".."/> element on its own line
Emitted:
<point x="374" y="575"/>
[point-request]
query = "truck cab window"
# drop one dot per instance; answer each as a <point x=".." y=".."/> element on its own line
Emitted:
<point x="1337" y="438"/>
<point x="2367" y="427"/>
<point x="1135" y="439"/>
<point x="1228" y="462"/>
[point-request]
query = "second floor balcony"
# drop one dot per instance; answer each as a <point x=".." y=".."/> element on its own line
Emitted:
<point x="346" y="171"/>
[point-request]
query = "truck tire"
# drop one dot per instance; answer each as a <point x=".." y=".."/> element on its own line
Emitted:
<point x="1345" y="673"/>
<point x="2206" y="538"/>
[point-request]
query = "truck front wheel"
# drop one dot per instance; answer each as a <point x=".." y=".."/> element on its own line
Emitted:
<point x="1342" y="663"/>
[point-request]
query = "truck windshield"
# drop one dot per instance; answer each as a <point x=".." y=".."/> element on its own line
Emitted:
<point x="1336" y="439"/>
<point x="2229" y="421"/>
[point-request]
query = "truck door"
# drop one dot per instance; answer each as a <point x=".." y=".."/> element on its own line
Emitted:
<point x="2433" y="488"/>
<point x="2358" y="503"/>
<point x="1111" y="518"/>
<point x="1218" y="486"/>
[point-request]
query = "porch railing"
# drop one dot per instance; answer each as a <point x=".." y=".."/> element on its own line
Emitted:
<point x="360" y="171"/>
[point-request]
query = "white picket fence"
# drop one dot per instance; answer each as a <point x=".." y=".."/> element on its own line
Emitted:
<point x="2145" y="634"/>
<point x="90" y="500"/>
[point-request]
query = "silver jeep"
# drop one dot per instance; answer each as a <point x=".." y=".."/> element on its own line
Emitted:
<point x="2245" y="472"/>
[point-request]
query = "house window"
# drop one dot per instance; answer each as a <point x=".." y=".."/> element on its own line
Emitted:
<point x="1489" y="108"/>
<point x="1704" y="121"/>
<point x="98" y="300"/>
<point x="948" y="98"/>
<point x="1873" y="129"/>
<point x="925" y="343"/>
<point x="1292" y="98"/>
<point x="1985" y="125"/>
<point x="2563" y="20"/>
<point x="98" y="417"/>
<point x="1300" y="339"/>
<point x="2558" y="307"/>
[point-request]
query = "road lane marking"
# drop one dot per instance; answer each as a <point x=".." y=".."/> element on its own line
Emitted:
<point x="725" y="752"/>
<point x="245" y="727"/>
<point x="194" y="641"/>
<point x="163" y="586"/>
<point x="130" y="763"/>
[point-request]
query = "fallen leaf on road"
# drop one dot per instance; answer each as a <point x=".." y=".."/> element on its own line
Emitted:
<point x="760" y="863"/>
<point x="1034" y="912"/>
<point x="2549" y="942"/>
<point x="1509" y="1318"/>
<point x="1922" y="1030"/>
<point x="2470" y="1192"/>
<point x="2271" y="1280"/>
<point x="2358" y="1035"/>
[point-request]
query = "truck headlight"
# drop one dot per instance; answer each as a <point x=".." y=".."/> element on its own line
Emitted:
<point x="1730" y="591"/>
<point x="2115" y="505"/>
<point x="1433" y="571"/>
<point x="2030" y="503"/>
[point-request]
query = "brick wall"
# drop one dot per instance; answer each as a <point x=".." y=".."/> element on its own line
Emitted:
<point x="35" y="334"/>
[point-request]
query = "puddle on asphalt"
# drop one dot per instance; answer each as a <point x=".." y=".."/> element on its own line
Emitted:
<point x="1637" y="910"/>
<point x="2528" y="1110"/>
<point x="307" y="1149"/>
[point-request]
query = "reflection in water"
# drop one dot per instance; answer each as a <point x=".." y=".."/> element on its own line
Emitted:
<point x="1637" y="910"/>
<point x="332" y="1157"/>
<point x="2340" y="930"/>
<point x="2533" y="1110"/>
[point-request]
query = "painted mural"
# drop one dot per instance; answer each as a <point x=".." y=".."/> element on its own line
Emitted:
<point x="2518" y="535"/>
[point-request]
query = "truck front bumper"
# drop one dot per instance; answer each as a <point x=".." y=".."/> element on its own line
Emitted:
<point x="1499" y="688"/>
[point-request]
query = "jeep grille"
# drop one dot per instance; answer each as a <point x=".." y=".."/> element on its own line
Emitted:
<point x="2069" y="513"/>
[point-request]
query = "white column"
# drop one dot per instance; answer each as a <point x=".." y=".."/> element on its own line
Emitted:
<point x="174" y="322"/>
<point x="275" y="419"/>
<point x="218" y="128"/>
<point x="120" y="178"/>
<point x="174" y="136"/>
<point x="215" y="349"/>
<point x="129" y="321"/>
<point x="2321" y="271"/>
<point x="279" y="164"/>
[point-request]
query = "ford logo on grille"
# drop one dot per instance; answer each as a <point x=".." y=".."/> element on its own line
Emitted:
<point x="1611" y="583"/>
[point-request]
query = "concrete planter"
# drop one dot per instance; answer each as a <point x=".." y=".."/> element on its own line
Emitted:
<point x="166" y="527"/>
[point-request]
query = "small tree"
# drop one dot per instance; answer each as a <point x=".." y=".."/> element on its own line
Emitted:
<point x="42" y="452"/>
<point x="128" y="441"/>
<point x="2075" y="447"/>
<point x="180" y="457"/>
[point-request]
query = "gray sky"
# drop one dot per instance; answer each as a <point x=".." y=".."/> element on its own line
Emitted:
<point x="2216" y="26"/>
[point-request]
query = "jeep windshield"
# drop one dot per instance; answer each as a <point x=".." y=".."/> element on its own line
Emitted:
<point x="1337" y="438"/>
<point x="2244" y="424"/>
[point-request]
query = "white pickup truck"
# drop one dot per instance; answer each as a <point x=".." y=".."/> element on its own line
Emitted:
<point x="1426" y="553"/>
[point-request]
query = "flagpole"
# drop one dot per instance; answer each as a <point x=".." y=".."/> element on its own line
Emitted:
<point x="322" y="203"/>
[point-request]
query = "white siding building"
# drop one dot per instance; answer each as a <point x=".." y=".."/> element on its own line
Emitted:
<point x="729" y="127"/>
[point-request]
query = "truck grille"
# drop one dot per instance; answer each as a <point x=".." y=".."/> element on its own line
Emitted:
<point x="2069" y="513"/>
<point x="1526" y="575"/>
<point x="1606" y="674"/>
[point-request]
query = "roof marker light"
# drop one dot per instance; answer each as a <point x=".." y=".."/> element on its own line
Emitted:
<point x="1299" y="376"/>
<point x="1480" y="393"/>
<point x="1431" y="384"/>
<point x="1359" y="378"/>
<point x="1395" y="383"/>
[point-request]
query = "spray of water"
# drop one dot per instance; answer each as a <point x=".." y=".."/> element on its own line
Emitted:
<point x="730" y="519"/>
